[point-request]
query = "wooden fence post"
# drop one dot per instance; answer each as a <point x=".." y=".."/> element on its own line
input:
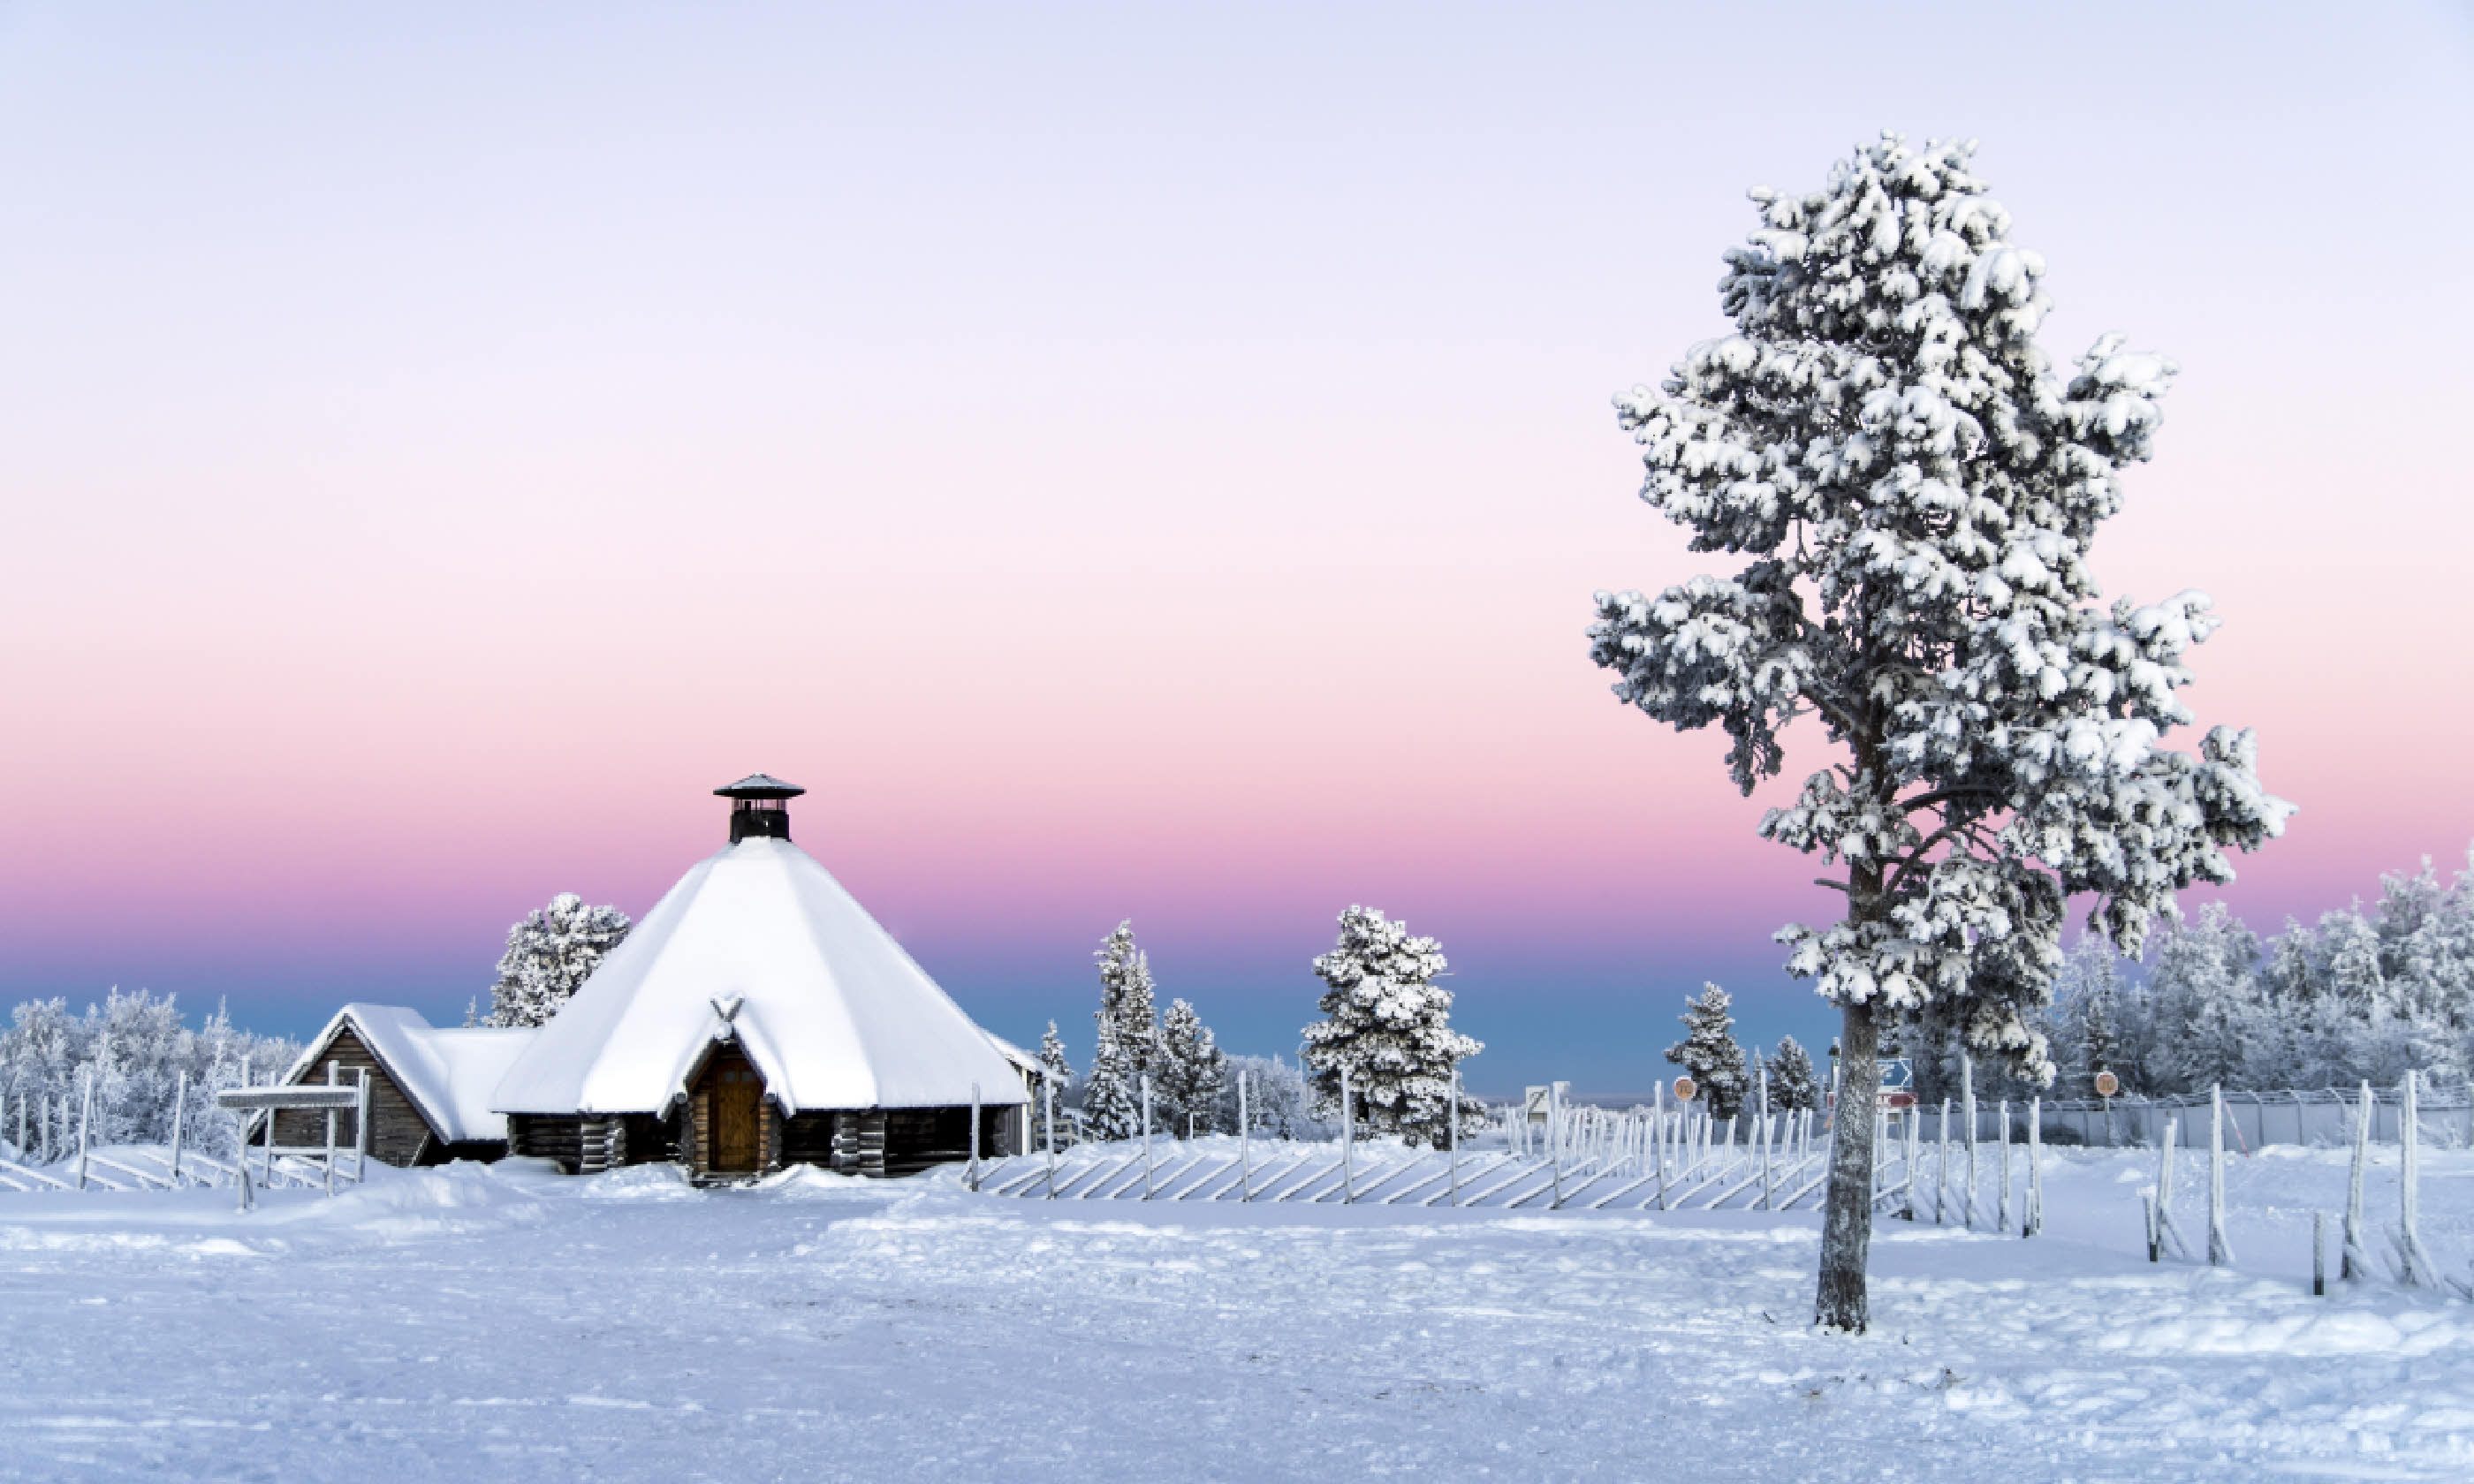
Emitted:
<point x="2318" y="1253"/>
<point x="180" y="1111"/>
<point x="334" y="1079"/>
<point x="1147" y="1136"/>
<point x="1941" y="1182"/>
<point x="2002" y="1217"/>
<point x="1246" y="1139"/>
<point x="360" y="1125"/>
<point x="1348" y="1143"/>
<point x="1767" y="1177"/>
<point x="85" y="1119"/>
<point x="2035" y="1221"/>
<point x="971" y="1172"/>
<point x="1967" y="1095"/>
<point x="1659" y="1137"/>
<point x="2220" y="1252"/>
<point x="2420" y="1272"/>
<point x="2353" y="1259"/>
<point x="1455" y="1196"/>
<point x="1048" y="1097"/>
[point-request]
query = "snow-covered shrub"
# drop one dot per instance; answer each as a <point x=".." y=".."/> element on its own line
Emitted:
<point x="1277" y="1100"/>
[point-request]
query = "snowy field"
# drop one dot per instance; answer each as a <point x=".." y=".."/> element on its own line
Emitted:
<point x="499" y="1324"/>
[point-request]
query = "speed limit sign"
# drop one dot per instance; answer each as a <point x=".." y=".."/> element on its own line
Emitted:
<point x="1685" y="1089"/>
<point x="2107" y="1083"/>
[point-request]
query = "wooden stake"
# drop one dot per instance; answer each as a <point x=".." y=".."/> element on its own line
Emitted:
<point x="1967" y="1090"/>
<point x="2035" y="1221"/>
<point x="1246" y="1141"/>
<point x="971" y="1173"/>
<point x="1048" y="1095"/>
<point x="2002" y="1217"/>
<point x="2220" y="1252"/>
<point x="85" y="1118"/>
<point x="180" y="1109"/>
<point x="2353" y="1262"/>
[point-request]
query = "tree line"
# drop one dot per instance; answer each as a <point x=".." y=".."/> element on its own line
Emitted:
<point x="1386" y="1039"/>
<point x="134" y="1051"/>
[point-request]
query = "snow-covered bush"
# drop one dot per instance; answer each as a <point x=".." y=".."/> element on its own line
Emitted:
<point x="550" y="955"/>
<point x="1389" y="1024"/>
<point x="1913" y="489"/>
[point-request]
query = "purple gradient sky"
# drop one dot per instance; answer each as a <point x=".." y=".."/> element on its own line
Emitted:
<point x="1124" y="462"/>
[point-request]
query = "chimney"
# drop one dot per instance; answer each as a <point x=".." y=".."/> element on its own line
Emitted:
<point x="759" y="807"/>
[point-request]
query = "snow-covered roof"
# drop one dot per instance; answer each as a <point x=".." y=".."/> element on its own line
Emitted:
<point x="759" y="785"/>
<point x="448" y="1072"/>
<point x="1022" y="1060"/>
<point x="759" y="944"/>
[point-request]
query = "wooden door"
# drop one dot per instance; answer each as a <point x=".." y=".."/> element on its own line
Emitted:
<point x="737" y="1090"/>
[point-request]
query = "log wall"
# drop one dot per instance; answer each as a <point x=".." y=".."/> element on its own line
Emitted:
<point x="398" y="1135"/>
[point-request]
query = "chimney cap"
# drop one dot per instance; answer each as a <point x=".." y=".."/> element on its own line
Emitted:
<point x="759" y="785"/>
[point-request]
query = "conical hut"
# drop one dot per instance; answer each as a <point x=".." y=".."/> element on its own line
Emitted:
<point x="757" y="1017"/>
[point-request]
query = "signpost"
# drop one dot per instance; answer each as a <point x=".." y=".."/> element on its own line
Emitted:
<point x="271" y="1100"/>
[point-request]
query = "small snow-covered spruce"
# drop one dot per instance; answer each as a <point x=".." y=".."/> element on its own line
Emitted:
<point x="1915" y="489"/>
<point x="1794" y="1084"/>
<point x="1708" y="1051"/>
<point x="550" y="955"/>
<point x="1276" y="1097"/>
<point x="1390" y="1025"/>
<point x="1127" y="1046"/>
<point x="1056" y="1072"/>
<point x="1192" y="1067"/>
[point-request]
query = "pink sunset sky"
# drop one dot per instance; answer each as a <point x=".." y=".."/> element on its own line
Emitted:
<point x="1125" y="463"/>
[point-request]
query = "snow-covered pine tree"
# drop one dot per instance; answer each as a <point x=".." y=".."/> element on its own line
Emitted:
<point x="1794" y="1084"/>
<point x="1127" y="1048"/>
<point x="1192" y="1068"/>
<point x="1112" y="1102"/>
<point x="1056" y="1071"/>
<point x="1389" y="1023"/>
<point x="1710" y="1052"/>
<point x="1914" y="488"/>
<point x="549" y="954"/>
<point x="2084" y="1026"/>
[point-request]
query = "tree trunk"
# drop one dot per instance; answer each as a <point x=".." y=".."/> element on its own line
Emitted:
<point x="1847" y="1221"/>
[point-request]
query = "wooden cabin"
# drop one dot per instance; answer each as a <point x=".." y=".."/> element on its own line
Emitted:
<point x="757" y="1017"/>
<point x="429" y="1085"/>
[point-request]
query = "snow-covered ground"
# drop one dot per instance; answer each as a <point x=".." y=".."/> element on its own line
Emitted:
<point x="499" y="1322"/>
